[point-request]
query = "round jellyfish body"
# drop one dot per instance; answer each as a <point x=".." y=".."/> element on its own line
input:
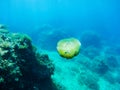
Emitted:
<point x="69" y="47"/>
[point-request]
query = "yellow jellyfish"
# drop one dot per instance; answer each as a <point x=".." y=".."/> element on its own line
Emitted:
<point x="69" y="47"/>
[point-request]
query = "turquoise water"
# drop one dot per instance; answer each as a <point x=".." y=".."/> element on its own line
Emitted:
<point x="96" y="23"/>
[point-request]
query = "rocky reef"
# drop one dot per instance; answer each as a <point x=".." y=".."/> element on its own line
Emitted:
<point x="21" y="66"/>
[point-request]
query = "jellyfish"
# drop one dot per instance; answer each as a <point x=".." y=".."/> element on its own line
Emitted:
<point x="68" y="47"/>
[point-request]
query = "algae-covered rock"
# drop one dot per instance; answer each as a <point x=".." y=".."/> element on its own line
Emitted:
<point x="68" y="48"/>
<point x="21" y="67"/>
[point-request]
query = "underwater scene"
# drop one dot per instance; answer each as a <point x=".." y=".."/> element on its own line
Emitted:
<point x="59" y="44"/>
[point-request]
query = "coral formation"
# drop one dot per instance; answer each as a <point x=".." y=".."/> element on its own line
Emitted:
<point x="68" y="48"/>
<point x="21" y="67"/>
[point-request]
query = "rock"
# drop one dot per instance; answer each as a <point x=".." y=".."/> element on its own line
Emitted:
<point x="21" y="67"/>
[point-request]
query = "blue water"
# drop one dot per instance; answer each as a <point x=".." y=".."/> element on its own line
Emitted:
<point x="48" y="21"/>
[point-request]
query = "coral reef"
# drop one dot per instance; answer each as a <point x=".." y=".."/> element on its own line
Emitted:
<point x="21" y="66"/>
